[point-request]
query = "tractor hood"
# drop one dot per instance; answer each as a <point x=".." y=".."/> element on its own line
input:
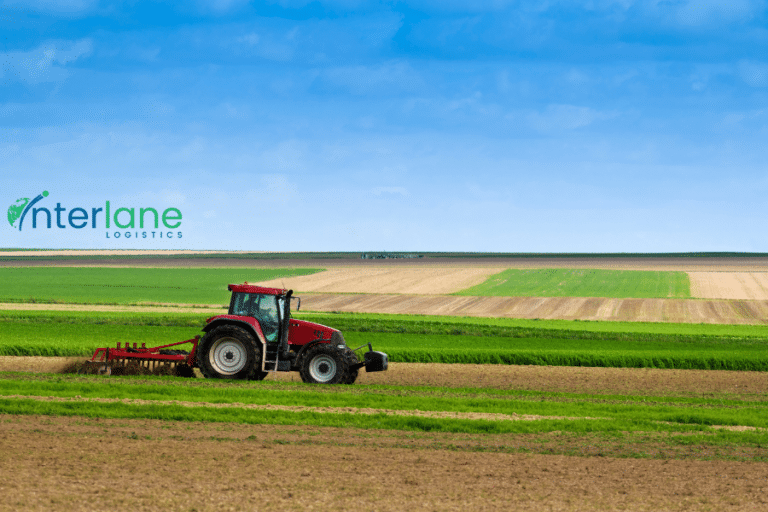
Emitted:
<point x="301" y="332"/>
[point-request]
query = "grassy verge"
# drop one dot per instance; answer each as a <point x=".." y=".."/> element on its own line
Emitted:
<point x="583" y="283"/>
<point x="85" y="285"/>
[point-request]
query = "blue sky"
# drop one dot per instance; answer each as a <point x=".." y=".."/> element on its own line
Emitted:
<point x="420" y="126"/>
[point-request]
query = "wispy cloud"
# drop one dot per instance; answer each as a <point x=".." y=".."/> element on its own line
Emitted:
<point x="401" y="191"/>
<point x="755" y="74"/>
<point x="45" y="63"/>
<point x="566" y="117"/>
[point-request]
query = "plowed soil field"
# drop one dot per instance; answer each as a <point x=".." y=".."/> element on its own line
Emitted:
<point x="564" y="308"/>
<point x="425" y="280"/>
<point x="59" y="463"/>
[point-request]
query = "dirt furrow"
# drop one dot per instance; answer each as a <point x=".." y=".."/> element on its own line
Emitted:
<point x="625" y="381"/>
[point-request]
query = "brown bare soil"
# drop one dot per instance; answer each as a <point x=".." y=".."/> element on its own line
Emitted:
<point x="423" y="280"/>
<point x="59" y="463"/>
<point x="729" y="285"/>
<point x="563" y="308"/>
<point x="635" y="381"/>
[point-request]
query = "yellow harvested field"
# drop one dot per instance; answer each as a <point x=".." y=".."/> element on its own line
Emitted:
<point x="729" y="285"/>
<point x="381" y="279"/>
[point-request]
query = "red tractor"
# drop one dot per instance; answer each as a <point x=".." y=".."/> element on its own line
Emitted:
<point x="257" y="336"/>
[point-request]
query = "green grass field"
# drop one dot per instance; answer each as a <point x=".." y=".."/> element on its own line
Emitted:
<point x="696" y="411"/>
<point x="567" y="423"/>
<point x="583" y="283"/>
<point x="411" y="339"/>
<point x="80" y="285"/>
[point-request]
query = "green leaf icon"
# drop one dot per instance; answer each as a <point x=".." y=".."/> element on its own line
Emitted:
<point x="15" y="210"/>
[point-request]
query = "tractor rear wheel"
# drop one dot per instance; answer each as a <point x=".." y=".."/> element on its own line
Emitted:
<point x="229" y="352"/>
<point x="324" y="364"/>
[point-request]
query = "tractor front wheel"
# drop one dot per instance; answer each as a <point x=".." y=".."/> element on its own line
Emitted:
<point x="352" y="372"/>
<point x="324" y="364"/>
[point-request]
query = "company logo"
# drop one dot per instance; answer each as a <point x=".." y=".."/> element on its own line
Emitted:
<point x="18" y="210"/>
<point x="124" y="219"/>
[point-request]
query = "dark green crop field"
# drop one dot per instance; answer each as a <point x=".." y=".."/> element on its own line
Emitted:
<point x="83" y="285"/>
<point x="583" y="283"/>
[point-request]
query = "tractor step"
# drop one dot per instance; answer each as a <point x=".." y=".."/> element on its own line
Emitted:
<point x="282" y="366"/>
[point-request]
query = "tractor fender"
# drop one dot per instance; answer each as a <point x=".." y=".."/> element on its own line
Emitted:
<point x="253" y="329"/>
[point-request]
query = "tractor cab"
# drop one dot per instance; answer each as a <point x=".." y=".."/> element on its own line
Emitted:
<point x="270" y="307"/>
<point x="267" y="309"/>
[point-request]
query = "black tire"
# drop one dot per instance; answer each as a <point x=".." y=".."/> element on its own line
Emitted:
<point x="352" y="360"/>
<point x="184" y="370"/>
<point x="229" y="352"/>
<point x="324" y="364"/>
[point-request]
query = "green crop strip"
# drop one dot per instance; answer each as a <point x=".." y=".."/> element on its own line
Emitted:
<point x="425" y="324"/>
<point x="28" y="333"/>
<point x="20" y="339"/>
<point x="583" y="283"/>
<point x="63" y="340"/>
<point x="129" y="285"/>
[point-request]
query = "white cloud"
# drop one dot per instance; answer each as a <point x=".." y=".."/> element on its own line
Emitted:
<point x="702" y="12"/>
<point x="273" y="190"/>
<point x="65" y="8"/>
<point x="391" y="190"/>
<point x="361" y="80"/>
<point x="191" y="152"/>
<point x="754" y="73"/>
<point x="251" y="39"/>
<point x="221" y="6"/>
<point x="566" y="117"/>
<point x="45" y="63"/>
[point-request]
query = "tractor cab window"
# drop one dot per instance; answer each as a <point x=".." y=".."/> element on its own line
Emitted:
<point x="261" y="307"/>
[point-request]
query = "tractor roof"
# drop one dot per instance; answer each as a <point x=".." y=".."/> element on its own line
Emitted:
<point x="249" y="288"/>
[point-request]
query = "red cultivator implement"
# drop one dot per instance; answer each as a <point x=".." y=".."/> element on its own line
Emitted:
<point x="140" y="360"/>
